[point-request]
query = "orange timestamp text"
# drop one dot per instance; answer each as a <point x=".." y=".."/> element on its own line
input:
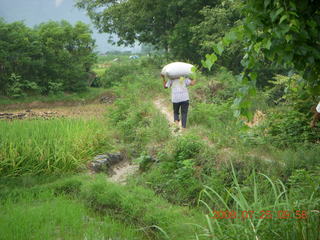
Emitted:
<point x="264" y="214"/>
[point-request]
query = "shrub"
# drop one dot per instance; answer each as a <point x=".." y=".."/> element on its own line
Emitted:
<point x="174" y="176"/>
<point x="115" y="74"/>
<point x="288" y="128"/>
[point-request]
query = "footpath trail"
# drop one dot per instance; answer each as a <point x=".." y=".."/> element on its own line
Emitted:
<point x="122" y="171"/>
<point x="159" y="103"/>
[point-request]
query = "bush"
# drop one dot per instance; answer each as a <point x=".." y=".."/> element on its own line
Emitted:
<point x="18" y="87"/>
<point x="174" y="176"/>
<point x="115" y="74"/>
<point x="288" y="128"/>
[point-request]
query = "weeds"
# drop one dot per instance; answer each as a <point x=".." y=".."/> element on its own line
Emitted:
<point x="55" y="146"/>
<point x="252" y="214"/>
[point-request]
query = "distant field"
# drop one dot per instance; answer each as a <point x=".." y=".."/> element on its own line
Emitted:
<point x="88" y="95"/>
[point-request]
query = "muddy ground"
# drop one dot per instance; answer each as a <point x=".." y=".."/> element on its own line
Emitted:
<point x="48" y="110"/>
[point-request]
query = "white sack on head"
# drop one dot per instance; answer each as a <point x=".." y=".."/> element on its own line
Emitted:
<point x="318" y="107"/>
<point x="177" y="69"/>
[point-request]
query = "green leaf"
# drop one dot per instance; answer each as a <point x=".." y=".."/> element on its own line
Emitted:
<point x="275" y="13"/>
<point x="252" y="91"/>
<point x="268" y="44"/>
<point x="284" y="17"/>
<point x="266" y="3"/>
<point x="257" y="46"/>
<point x="218" y="48"/>
<point x="231" y="36"/>
<point x="236" y="113"/>
<point x="288" y="37"/>
<point x="251" y="27"/>
<point x="253" y="76"/>
<point x="210" y="60"/>
<point x="315" y="91"/>
<point x="237" y="102"/>
<point x="244" y="90"/>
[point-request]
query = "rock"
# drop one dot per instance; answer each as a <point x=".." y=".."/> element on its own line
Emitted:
<point x="106" y="99"/>
<point x="102" y="163"/>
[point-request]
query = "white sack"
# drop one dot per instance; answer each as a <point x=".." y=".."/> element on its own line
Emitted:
<point x="318" y="108"/>
<point x="176" y="70"/>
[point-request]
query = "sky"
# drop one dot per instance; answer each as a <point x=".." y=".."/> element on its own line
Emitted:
<point x="33" y="12"/>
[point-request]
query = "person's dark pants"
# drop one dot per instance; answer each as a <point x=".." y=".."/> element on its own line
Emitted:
<point x="184" y="112"/>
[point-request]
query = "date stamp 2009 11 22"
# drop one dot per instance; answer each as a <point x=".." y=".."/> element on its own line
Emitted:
<point x="264" y="214"/>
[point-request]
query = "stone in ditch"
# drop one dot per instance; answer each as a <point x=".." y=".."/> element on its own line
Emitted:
<point x="102" y="163"/>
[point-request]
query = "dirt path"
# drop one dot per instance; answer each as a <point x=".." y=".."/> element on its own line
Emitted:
<point x="122" y="171"/>
<point x="163" y="108"/>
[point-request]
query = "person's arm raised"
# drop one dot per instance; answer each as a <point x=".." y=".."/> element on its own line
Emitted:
<point x="164" y="81"/>
<point x="193" y="82"/>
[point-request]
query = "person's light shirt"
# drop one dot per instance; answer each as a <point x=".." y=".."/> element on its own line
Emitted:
<point x="179" y="90"/>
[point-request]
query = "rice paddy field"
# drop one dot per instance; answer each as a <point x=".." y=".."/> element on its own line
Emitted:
<point x="217" y="180"/>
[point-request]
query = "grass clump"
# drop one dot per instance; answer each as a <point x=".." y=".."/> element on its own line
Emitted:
<point x="47" y="216"/>
<point x="131" y="204"/>
<point x="45" y="147"/>
<point x="175" y="176"/>
<point x="82" y="206"/>
<point x="116" y="73"/>
<point x="261" y="209"/>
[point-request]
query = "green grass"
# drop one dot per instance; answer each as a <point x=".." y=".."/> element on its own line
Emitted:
<point x="87" y="95"/>
<point x="99" y="71"/>
<point x="190" y="169"/>
<point x="261" y="209"/>
<point x="49" y="146"/>
<point x="74" y="207"/>
<point x="58" y="217"/>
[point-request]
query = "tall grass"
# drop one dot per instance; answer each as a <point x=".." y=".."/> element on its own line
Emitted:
<point x="82" y="207"/>
<point x="57" y="217"/>
<point x="54" y="146"/>
<point x="264" y="210"/>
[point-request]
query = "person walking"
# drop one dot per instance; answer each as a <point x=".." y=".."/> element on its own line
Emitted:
<point x="179" y="97"/>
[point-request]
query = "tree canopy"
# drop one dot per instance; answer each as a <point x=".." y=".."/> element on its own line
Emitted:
<point x="285" y="33"/>
<point x="54" y="56"/>
<point x="164" y="24"/>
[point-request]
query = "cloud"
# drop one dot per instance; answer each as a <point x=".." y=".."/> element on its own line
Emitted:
<point x="58" y="2"/>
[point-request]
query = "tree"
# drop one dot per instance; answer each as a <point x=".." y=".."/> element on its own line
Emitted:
<point x="68" y="54"/>
<point x="164" y="24"/>
<point x="285" y="32"/>
<point x="52" y="57"/>
<point x="217" y="21"/>
<point x="19" y="56"/>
